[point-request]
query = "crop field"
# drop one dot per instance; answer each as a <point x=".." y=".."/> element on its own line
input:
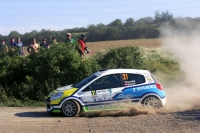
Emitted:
<point x="95" y="47"/>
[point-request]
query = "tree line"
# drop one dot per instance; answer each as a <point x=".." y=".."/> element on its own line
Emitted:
<point x="146" y="27"/>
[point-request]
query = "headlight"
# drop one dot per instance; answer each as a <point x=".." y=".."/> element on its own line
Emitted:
<point x="57" y="95"/>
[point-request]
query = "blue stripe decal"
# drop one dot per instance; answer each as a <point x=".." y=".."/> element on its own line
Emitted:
<point x="137" y="86"/>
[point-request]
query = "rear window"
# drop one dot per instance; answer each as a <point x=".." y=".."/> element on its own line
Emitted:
<point x="133" y="79"/>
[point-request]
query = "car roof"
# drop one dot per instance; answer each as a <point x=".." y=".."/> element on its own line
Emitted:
<point x="136" y="71"/>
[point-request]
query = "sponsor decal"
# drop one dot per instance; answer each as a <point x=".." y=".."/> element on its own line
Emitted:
<point x="107" y="98"/>
<point x="92" y="107"/>
<point x="125" y="96"/>
<point x="144" y="88"/>
<point x="149" y="79"/>
<point x="93" y="92"/>
<point x="104" y="95"/>
<point x="99" y="99"/>
<point x="129" y="83"/>
<point x="101" y="91"/>
<point x="95" y="96"/>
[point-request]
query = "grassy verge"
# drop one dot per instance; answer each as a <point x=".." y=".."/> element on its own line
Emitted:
<point x="18" y="103"/>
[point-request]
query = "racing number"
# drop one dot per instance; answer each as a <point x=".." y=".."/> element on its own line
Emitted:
<point x="94" y="92"/>
<point x="125" y="76"/>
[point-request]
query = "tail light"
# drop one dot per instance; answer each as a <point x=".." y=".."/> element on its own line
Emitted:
<point x="159" y="86"/>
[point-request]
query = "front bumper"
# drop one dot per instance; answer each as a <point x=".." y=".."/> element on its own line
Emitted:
<point x="52" y="109"/>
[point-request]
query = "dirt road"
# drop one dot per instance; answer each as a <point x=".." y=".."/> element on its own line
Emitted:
<point x="19" y="120"/>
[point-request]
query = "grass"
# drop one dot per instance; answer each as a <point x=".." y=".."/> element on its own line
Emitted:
<point x="18" y="103"/>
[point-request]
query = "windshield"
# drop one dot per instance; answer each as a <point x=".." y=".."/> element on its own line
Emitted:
<point x="85" y="81"/>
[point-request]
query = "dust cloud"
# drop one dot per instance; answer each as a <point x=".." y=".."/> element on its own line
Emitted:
<point x="185" y="48"/>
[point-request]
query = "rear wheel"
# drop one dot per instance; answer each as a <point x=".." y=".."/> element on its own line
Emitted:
<point x="152" y="102"/>
<point x="70" y="108"/>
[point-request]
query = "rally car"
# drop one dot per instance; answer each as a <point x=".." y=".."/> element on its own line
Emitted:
<point x="104" y="89"/>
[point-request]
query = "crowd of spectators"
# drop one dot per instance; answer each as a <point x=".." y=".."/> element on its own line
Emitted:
<point x="34" y="46"/>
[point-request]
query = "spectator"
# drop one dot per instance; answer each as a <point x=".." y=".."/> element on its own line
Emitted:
<point x="83" y="46"/>
<point x="33" y="47"/>
<point x="12" y="43"/>
<point x="44" y="44"/>
<point x="54" y="40"/>
<point x="69" y="39"/>
<point x="3" y="46"/>
<point x="20" y="45"/>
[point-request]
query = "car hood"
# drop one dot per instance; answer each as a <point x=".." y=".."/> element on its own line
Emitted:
<point x="67" y="90"/>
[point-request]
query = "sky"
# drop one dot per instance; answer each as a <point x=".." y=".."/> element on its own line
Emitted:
<point x="28" y="15"/>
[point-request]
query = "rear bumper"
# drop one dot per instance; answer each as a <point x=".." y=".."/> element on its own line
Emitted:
<point x="163" y="101"/>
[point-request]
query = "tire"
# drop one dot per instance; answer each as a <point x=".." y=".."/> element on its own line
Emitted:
<point x="70" y="108"/>
<point x="151" y="101"/>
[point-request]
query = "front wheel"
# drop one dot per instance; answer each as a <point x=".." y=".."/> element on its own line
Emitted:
<point x="70" y="108"/>
<point x="152" y="102"/>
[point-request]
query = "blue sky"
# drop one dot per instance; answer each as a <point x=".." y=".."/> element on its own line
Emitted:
<point x="27" y="15"/>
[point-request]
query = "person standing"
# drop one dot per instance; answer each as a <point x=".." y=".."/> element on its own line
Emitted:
<point x="44" y="44"/>
<point x="54" y="40"/>
<point x="12" y="43"/>
<point x="69" y="39"/>
<point x="20" y="45"/>
<point x="3" y="47"/>
<point x="83" y="46"/>
<point x="33" y="47"/>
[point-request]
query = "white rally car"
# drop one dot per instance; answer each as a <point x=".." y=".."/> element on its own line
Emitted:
<point x="104" y="89"/>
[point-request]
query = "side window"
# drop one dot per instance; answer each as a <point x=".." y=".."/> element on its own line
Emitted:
<point x="133" y="79"/>
<point x="86" y="89"/>
<point x="106" y="82"/>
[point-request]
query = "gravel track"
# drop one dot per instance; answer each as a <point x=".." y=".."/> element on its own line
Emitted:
<point x="28" y="120"/>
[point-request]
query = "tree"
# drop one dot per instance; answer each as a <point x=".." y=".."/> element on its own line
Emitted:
<point x="14" y="34"/>
<point x="116" y="23"/>
<point x="163" y="17"/>
<point x="147" y="20"/>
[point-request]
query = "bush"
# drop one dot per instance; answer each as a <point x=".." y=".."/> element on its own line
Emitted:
<point x="123" y="57"/>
